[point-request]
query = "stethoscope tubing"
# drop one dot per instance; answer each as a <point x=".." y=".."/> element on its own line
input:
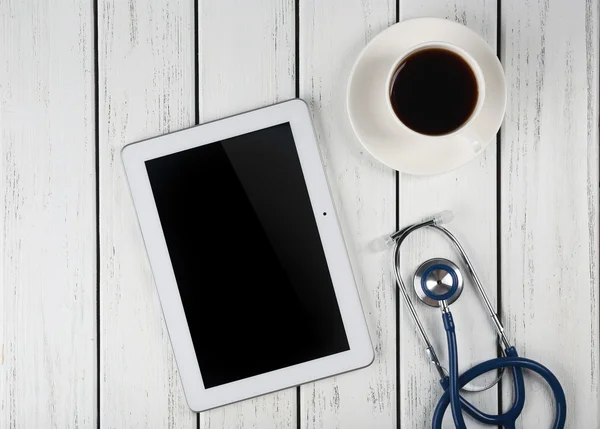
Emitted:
<point x="507" y="420"/>
<point x="453" y="378"/>
<point x="453" y="382"/>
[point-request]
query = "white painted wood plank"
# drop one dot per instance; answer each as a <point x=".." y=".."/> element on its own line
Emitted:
<point x="471" y="193"/>
<point x="332" y="33"/>
<point x="47" y="215"/>
<point x="146" y="78"/>
<point x="549" y="210"/>
<point x="246" y="56"/>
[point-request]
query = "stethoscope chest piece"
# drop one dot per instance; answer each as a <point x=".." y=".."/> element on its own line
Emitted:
<point x="438" y="280"/>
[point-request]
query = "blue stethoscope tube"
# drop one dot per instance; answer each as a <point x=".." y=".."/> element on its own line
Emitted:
<point x="453" y="382"/>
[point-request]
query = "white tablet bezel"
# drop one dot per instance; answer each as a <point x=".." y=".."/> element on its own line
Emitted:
<point x="361" y="352"/>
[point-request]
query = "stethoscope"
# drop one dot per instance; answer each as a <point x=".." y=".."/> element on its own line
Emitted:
<point x="438" y="283"/>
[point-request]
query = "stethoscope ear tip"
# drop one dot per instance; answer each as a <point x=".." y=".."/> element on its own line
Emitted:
<point x="385" y="242"/>
<point x="445" y="216"/>
<point x="381" y="243"/>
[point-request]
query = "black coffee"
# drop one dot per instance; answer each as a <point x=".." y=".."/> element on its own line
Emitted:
<point x="434" y="91"/>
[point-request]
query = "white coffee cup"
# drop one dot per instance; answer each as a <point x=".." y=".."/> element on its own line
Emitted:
<point x="479" y="78"/>
<point x="378" y="127"/>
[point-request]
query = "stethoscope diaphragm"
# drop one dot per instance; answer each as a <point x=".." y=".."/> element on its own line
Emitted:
<point x="438" y="280"/>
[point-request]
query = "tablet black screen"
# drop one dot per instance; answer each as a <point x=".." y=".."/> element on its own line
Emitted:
<point x="247" y="255"/>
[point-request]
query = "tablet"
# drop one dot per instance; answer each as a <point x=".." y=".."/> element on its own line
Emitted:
<point x="247" y="255"/>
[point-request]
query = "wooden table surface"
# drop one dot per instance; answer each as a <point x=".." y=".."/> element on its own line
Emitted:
<point x="83" y="341"/>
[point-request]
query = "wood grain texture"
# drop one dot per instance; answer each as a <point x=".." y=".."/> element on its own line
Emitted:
<point x="47" y="215"/>
<point x="146" y="88"/>
<point x="332" y="34"/>
<point x="470" y="192"/>
<point x="550" y="200"/>
<point x="246" y="61"/>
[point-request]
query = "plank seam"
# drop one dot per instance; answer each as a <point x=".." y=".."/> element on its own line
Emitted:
<point x="498" y="205"/>
<point x="97" y="179"/>
<point x="597" y="126"/>
<point x="196" y="98"/>
<point x="196" y="74"/>
<point x="397" y="195"/>
<point x="297" y="94"/>
<point x="398" y="393"/>
<point x="297" y="46"/>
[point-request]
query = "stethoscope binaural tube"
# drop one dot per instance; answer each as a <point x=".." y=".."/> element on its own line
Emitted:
<point x="453" y="382"/>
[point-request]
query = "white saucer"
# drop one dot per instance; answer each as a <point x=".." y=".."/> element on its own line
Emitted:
<point x="379" y="130"/>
